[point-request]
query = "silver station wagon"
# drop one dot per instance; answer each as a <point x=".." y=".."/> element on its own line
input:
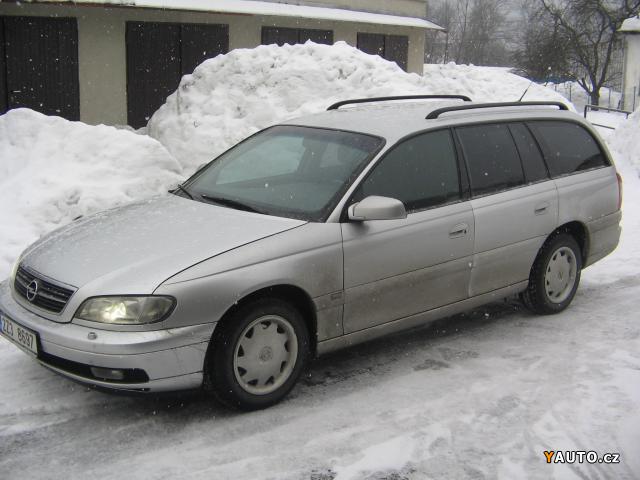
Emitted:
<point x="316" y="234"/>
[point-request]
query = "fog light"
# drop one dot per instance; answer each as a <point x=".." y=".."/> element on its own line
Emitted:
<point x="107" y="373"/>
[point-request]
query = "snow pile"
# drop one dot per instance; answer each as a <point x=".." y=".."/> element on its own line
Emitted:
<point x="53" y="171"/>
<point x="623" y="142"/>
<point x="488" y="84"/>
<point x="625" y="261"/>
<point x="231" y="96"/>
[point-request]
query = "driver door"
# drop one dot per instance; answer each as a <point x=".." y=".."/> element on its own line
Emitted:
<point x="398" y="268"/>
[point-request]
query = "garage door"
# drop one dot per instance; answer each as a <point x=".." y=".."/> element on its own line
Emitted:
<point x="158" y="54"/>
<point x="39" y="65"/>
<point x="292" y="36"/>
<point x="394" y="48"/>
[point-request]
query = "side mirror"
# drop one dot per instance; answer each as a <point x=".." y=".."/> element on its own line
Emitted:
<point x="377" y="208"/>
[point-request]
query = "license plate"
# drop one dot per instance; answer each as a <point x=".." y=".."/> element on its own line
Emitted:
<point x="23" y="337"/>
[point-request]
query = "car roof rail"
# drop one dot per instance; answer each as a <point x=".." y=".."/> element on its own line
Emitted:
<point x="337" y="105"/>
<point x="457" y="108"/>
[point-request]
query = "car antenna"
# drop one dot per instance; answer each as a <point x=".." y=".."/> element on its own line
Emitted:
<point x="525" y="91"/>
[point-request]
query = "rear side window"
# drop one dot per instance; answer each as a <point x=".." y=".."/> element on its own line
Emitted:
<point x="492" y="158"/>
<point x="568" y="147"/>
<point x="421" y="172"/>
<point x="534" y="168"/>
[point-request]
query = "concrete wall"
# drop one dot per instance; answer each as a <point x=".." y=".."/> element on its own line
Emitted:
<point x="631" y="75"/>
<point x="102" y="49"/>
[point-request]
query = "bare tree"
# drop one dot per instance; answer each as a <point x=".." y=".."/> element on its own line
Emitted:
<point x="542" y="54"/>
<point x="589" y="29"/>
<point x="473" y="31"/>
<point x="438" y="42"/>
<point x="484" y="36"/>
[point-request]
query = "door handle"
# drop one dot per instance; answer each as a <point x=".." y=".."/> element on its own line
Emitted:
<point x="541" y="208"/>
<point x="459" y="230"/>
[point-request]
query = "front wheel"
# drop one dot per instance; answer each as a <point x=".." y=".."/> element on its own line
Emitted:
<point x="258" y="355"/>
<point x="555" y="276"/>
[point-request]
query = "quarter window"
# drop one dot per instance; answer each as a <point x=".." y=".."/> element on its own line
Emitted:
<point x="492" y="158"/>
<point x="568" y="147"/>
<point x="421" y="172"/>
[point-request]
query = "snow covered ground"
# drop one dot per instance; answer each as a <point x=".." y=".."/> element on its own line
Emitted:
<point x="476" y="396"/>
<point x="576" y="95"/>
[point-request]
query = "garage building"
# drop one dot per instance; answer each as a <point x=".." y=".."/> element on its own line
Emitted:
<point x="115" y="62"/>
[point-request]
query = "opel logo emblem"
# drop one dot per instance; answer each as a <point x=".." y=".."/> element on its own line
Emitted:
<point x="32" y="290"/>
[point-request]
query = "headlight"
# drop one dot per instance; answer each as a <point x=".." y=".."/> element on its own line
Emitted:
<point x="14" y="269"/>
<point x="126" y="310"/>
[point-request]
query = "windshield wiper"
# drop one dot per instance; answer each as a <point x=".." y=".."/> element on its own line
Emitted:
<point x="227" y="202"/>
<point x="182" y="189"/>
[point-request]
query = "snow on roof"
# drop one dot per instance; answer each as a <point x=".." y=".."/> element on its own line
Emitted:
<point x="253" y="7"/>
<point x="631" y="25"/>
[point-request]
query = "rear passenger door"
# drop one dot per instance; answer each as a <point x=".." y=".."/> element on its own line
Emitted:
<point x="514" y="202"/>
<point x="398" y="268"/>
<point x="586" y="182"/>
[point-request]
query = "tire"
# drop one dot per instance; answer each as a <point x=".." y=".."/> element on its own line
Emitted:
<point x="555" y="276"/>
<point x="258" y="355"/>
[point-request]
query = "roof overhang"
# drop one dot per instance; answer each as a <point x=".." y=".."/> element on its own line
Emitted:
<point x="630" y="25"/>
<point x="253" y="7"/>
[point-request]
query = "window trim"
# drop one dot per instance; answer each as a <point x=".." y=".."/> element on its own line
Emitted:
<point x="544" y="147"/>
<point x="462" y="175"/>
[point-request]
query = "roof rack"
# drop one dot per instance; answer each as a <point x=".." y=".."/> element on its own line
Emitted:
<point x="337" y="105"/>
<point x="436" y="113"/>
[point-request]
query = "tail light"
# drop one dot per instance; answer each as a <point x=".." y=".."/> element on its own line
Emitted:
<point x="619" y="190"/>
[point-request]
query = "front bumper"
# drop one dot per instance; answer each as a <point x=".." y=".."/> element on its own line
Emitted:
<point x="156" y="361"/>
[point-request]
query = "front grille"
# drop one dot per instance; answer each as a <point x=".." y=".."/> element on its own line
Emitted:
<point x="49" y="296"/>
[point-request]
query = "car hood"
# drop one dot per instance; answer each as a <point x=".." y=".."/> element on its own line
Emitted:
<point x="134" y="248"/>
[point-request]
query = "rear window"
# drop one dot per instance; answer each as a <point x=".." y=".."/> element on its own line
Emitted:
<point x="568" y="147"/>
<point x="492" y="159"/>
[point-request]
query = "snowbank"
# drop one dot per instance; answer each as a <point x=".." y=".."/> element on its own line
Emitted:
<point x="231" y="96"/>
<point x="625" y="261"/>
<point x="623" y="142"/>
<point x="488" y="84"/>
<point x="53" y="171"/>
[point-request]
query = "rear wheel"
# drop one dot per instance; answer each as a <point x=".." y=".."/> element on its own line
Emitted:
<point x="258" y="355"/>
<point x="555" y="276"/>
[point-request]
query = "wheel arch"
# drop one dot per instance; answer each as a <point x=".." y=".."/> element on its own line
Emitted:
<point x="579" y="232"/>
<point x="292" y="294"/>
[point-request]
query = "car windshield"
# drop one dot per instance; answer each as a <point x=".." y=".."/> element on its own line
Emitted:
<point x="289" y="171"/>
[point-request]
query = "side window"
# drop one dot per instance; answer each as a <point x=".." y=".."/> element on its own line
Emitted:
<point x="568" y="147"/>
<point x="421" y="172"/>
<point x="492" y="158"/>
<point x="534" y="168"/>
